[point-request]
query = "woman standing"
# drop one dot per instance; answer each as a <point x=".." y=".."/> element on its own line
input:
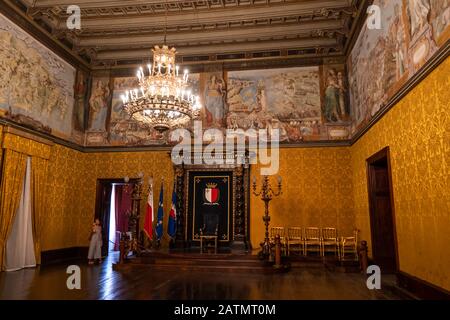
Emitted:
<point x="95" y="245"/>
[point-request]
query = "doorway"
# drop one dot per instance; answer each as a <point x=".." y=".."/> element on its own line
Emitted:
<point x="382" y="219"/>
<point x="112" y="205"/>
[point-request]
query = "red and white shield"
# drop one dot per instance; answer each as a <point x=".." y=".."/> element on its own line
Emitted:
<point x="212" y="195"/>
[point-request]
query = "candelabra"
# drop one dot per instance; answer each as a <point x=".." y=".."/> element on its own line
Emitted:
<point x="134" y="213"/>
<point x="267" y="193"/>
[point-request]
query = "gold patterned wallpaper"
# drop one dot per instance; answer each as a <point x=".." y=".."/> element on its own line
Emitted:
<point x="66" y="203"/>
<point x="317" y="192"/>
<point x="118" y="165"/>
<point x="417" y="130"/>
<point x="1" y="143"/>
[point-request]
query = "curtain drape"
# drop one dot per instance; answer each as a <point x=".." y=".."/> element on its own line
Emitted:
<point x="123" y="207"/>
<point x="14" y="166"/>
<point x="20" y="245"/>
<point x="39" y="169"/>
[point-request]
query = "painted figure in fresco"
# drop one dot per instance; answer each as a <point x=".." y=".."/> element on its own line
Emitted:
<point x="419" y="11"/>
<point x="95" y="243"/>
<point x="99" y="106"/>
<point x="332" y="101"/>
<point x="214" y="101"/>
<point x="441" y="18"/>
<point x="80" y="91"/>
<point x="342" y="94"/>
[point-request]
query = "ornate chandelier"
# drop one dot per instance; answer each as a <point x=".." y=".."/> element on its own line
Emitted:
<point x="163" y="99"/>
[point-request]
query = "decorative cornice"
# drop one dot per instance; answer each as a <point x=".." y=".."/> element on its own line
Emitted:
<point x="48" y="139"/>
<point x="208" y="31"/>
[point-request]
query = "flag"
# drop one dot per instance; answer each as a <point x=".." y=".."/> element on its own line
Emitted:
<point x="159" y="223"/>
<point x="172" y="226"/>
<point x="148" y="224"/>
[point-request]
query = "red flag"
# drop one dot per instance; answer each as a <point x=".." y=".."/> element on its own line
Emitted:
<point x="148" y="224"/>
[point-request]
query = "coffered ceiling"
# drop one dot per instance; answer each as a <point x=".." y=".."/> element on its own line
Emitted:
<point x="120" y="33"/>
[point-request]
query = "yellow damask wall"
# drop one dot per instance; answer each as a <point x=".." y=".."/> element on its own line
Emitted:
<point x="317" y="192"/>
<point x="417" y="130"/>
<point x="317" y="187"/>
<point x="65" y="200"/>
<point x="118" y="165"/>
<point x="72" y="182"/>
<point x="1" y="143"/>
<point x="61" y="215"/>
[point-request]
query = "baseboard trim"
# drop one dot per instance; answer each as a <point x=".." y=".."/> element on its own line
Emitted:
<point x="421" y="288"/>
<point x="65" y="254"/>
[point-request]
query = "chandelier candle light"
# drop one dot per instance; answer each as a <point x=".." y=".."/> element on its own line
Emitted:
<point x="163" y="100"/>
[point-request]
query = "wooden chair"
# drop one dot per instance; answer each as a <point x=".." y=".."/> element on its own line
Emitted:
<point x="209" y="232"/>
<point x="208" y="237"/>
<point x="349" y="245"/>
<point x="295" y="240"/>
<point x="329" y="240"/>
<point x="274" y="231"/>
<point x="312" y="239"/>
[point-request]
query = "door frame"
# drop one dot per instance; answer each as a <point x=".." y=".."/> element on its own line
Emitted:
<point x="383" y="153"/>
<point x="99" y="207"/>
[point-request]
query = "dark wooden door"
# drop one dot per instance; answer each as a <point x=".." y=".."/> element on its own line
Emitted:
<point x="382" y="221"/>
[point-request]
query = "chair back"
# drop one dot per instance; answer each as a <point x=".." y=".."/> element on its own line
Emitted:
<point x="312" y="233"/>
<point x="274" y="231"/>
<point x="354" y="237"/>
<point x="329" y="233"/>
<point x="295" y="233"/>
<point x="210" y="224"/>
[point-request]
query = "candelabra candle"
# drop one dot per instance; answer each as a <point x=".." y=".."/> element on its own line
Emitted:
<point x="149" y="66"/>
<point x="267" y="193"/>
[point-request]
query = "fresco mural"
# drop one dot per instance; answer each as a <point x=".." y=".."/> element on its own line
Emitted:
<point x="36" y="86"/>
<point x="213" y="93"/>
<point x="99" y="107"/>
<point x="335" y="106"/>
<point x="382" y="61"/>
<point x="291" y="100"/>
<point x="123" y="130"/>
<point x="118" y="129"/>
<point x="80" y="92"/>
<point x="306" y="104"/>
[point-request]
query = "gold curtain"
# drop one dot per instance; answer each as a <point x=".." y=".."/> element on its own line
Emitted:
<point x="39" y="169"/>
<point x="13" y="173"/>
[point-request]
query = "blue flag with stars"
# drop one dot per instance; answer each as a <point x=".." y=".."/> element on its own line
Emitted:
<point x="159" y="224"/>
